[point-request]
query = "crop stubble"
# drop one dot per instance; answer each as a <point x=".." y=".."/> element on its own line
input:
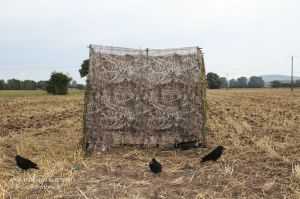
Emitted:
<point x="260" y="130"/>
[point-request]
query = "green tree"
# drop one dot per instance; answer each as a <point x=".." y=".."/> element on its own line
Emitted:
<point x="58" y="83"/>
<point x="242" y="82"/>
<point x="13" y="84"/>
<point x="285" y="85"/>
<point x="223" y="82"/>
<point x="275" y="84"/>
<point x="256" y="82"/>
<point x="2" y="84"/>
<point x="233" y="83"/>
<point x="213" y="81"/>
<point x="297" y="83"/>
<point x="84" y="68"/>
<point x="28" y="85"/>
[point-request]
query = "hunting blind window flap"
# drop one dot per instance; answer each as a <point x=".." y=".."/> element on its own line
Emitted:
<point x="144" y="97"/>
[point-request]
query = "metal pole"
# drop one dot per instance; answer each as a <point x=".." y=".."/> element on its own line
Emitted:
<point x="292" y="81"/>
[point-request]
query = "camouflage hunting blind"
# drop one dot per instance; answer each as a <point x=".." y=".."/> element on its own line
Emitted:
<point x="150" y="97"/>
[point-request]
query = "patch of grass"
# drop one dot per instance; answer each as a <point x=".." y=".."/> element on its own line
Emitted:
<point x="75" y="92"/>
<point x="21" y="93"/>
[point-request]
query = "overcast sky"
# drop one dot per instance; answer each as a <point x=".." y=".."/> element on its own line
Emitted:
<point x="239" y="37"/>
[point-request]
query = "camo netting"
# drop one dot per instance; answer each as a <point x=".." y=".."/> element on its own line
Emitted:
<point x="144" y="97"/>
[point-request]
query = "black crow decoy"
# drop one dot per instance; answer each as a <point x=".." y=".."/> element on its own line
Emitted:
<point x="24" y="163"/>
<point x="214" y="155"/>
<point x="155" y="166"/>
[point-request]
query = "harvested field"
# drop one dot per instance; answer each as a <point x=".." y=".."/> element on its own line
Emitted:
<point x="260" y="130"/>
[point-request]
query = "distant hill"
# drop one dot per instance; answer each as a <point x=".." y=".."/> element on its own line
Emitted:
<point x="268" y="78"/>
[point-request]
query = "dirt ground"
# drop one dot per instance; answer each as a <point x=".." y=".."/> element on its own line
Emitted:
<point x="260" y="130"/>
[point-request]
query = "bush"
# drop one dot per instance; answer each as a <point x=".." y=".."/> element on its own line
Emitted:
<point x="213" y="80"/>
<point x="84" y="68"/>
<point x="223" y="82"/>
<point x="233" y="83"/>
<point x="2" y="84"/>
<point x="58" y="83"/>
<point x="275" y="84"/>
<point x="256" y="82"/>
<point x="242" y="82"/>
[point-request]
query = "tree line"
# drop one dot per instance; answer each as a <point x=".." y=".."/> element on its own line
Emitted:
<point x="15" y="84"/>
<point x="57" y="84"/>
<point x="280" y="84"/>
<point x="214" y="81"/>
